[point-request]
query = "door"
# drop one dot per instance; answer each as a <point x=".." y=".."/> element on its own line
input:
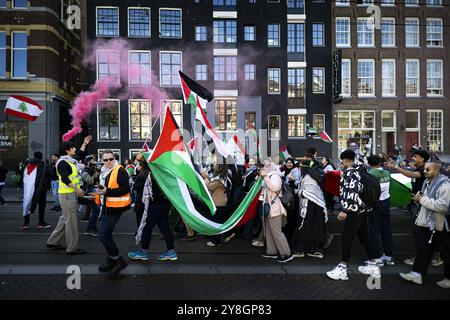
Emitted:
<point x="388" y="142"/>
<point x="411" y="139"/>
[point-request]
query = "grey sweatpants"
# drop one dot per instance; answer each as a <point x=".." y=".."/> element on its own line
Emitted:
<point x="275" y="238"/>
<point x="67" y="223"/>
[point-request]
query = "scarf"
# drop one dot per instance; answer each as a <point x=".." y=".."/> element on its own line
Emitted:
<point x="310" y="191"/>
<point x="430" y="189"/>
<point x="71" y="160"/>
<point x="147" y="195"/>
<point x="105" y="172"/>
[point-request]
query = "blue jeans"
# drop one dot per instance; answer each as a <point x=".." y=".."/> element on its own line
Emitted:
<point x="380" y="226"/>
<point x="106" y="230"/>
<point x="94" y="217"/>
<point x="55" y="184"/>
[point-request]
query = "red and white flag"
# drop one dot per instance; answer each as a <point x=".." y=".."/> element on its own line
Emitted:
<point x="236" y="149"/>
<point x="23" y="107"/>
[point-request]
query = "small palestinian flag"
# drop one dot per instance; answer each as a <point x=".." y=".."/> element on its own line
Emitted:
<point x="311" y="131"/>
<point x="325" y="137"/>
<point x="284" y="154"/>
<point x="23" y="107"/>
<point x="192" y="90"/>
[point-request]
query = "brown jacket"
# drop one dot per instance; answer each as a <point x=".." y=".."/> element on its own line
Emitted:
<point x="274" y="184"/>
<point x="218" y="192"/>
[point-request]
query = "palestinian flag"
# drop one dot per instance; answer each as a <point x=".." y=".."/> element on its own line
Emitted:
<point x="193" y="91"/>
<point x="194" y="147"/>
<point x="284" y="154"/>
<point x="175" y="174"/>
<point x="325" y="137"/>
<point x="311" y="131"/>
<point x="23" y="107"/>
<point x="400" y="190"/>
<point x="236" y="149"/>
<point x="29" y="184"/>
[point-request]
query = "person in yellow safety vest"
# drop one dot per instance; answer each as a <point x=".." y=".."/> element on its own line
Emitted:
<point x="115" y="190"/>
<point x="69" y="182"/>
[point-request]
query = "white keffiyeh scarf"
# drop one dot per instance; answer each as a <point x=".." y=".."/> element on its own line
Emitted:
<point x="310" y="191"/>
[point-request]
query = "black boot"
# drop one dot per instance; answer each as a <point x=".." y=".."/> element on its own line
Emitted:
<point x="119" y="266"/>
<point x="107" y="266"/>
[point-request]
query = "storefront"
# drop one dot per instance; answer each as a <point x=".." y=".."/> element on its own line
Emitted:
<point x="357" y="129"/>
<point x="13" y="143"/>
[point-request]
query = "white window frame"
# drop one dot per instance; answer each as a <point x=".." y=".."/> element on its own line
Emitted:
<point x="181" y="26"/>
<point x="279" y="129"/>
<point x="366" y="95"/>
<point x="163" y="113"/>
<point x="96" y="21"/>
<point x="149" y="25"/>
<point x="324" y="80"/>
<point x="279" y="35"/>
<point x="394" y="35"/>
<point x="370" y="24"/>
<point x="417" y="34"/>
<point x="427" y="33"/>
<point x="129" y="69"/>
<point x="390" y="95"/>
<point x="98" y="122"/>
<point x="322" y="115"/>
<point x="279" y="81"/>
<point x="12" y="54"/>
<point x="160" y="69"/>
<point x="442" y="127"/>
<point x="349" y="33"/>
<point x="389" y="129"/>
<point x="349" y="78"/>
<point x="129" y="119"/>
<point x="418" y="79"/>
<point x="442" y="77"/>
<point x="417" y="111"/>
<point x="118" y="60"/>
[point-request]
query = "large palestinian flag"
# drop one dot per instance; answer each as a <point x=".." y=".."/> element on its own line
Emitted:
<point x="174" y="172"/>
<point x="400" y="190"/>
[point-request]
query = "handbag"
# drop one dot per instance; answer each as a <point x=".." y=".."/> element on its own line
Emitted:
<point x="287" y="198"/>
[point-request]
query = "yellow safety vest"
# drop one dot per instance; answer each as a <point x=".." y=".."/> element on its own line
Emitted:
<point x="74" y="177"/>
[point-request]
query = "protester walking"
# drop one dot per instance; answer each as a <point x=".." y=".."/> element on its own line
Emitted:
<point x="55" y="182"/>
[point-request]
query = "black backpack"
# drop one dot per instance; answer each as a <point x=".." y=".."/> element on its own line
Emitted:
<point x="371" y="189"/>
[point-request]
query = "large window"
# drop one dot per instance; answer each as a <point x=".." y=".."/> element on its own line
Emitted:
<point x="366" y="32"/>
<point x="224" y="31"/>
<point x="139" y="22"/>
<point x="434" y="33"/>
<point x="274" y="80"/>
<point x="412" y="32"/>
<point x="176" y="107"/>
<point x="170" y="64"/>
<point x="19" y="55"/>
<point x="435" y="86"/>
<point x="296" y="38"/>
<point x="225" y="68"/>
<point x="296" y="126"/>
<point x="139" y="70"/>
<point x="357" y="127"/>
<point x="225" y="115"/>
<point x="388" y="77"/>
<point x="140" y="115"/>
<point x="273" y="35"/>
<point x="342" y="32"/>
<point x="346" y="78"/>
<point x="250" y="72"/>
<point x="107" y="22"/>
<point x="388" y="32"/>
<point x="366" y="77"/>
<point x="108" y="119"/>
<point x="108" y="64"/>
<point x="170" y="23"/>
<point x="2" y="54"/>
<point x="296" y="87"/>
<point x="412" y="78"/>
<point x="435" y="130"/>
<point x="318" y="36"/>
<point x="318" y="80"/>
<point x="274" y="127"/>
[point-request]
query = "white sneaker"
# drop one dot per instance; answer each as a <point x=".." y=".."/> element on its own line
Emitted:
<point x="412" y="276"/>
<point x="409" y="261"/>
<point x="445" y="283"/>
<point x="388" y="260"/>
<point x="212" y="244"/>
<point x="257" y="244"/>
<point x="338" y="273"/>
<point x="379" y="262"/>
<point x="371" y="270"/>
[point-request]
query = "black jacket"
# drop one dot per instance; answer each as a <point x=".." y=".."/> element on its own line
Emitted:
<point x="42" y="183"/>
<point x="3" y="172"/>
<point x="123" y="181"/>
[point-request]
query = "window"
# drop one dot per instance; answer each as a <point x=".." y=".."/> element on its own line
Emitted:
<point x="295" y="4"/>
<point x="19" y="55"/>
<point x="2" y="3"/>
<point x="225" y="68"/>
<point x="342" y="32"/>
<point x="412" y="32"/>
<point x="356" y="127"/>
<point x="140" y="115"/>
<point x="318" y="80"/>
<point x="224" y="31"/>
<point x="274" y="81"/>
<point x="412" y="78"/>
<point x="296" y="87"/>
<point x="318" y="35"/>
<point x="346" y="78"/>
<point x="201" y="72"/>
<point x="250" y="72"/>
<point x="296" y="38"/>
<point x="319" y="122"/>
<point x="366" y="78"/>
<point x="2" y="54"/>
<point x="296" y="126"/>
<point x="133" y="152"/>
<point x="139" y="68"/>
<point x="170" y="23"/>
<point x="388" y="77"/>
<point x="249" y="33"/>
<point x="224" y="3"/>
<point x="365" y="30"/>
<point x="176" y="107"/>
<point x="225" y="115"/>
<point x="201" y="33"/>
<point x="20" y="4"/>
<point x="139" y="22"/>
<point x="107" y="22"/>
<point x="273" y="35"/>
<point x="388" y="2"/>
<point x="388" y="120"/>
<point x="388" y="32"/>
<point x="274" y="127"/>
<point x="435" y="86"/>
<point x="342" y="3"/>
<point x="434" y="2"/>
<point x="412" y="122"/>
<point x="108" y="120"/>
<point x="435" y="130"/>
<point x="170" y="64"/>
<point x="434" y="33"/>
<point x="108" y="64"/>
<point x="409" y="3"/>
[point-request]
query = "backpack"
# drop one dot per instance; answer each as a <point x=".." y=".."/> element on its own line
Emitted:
<point x="287" y="197"/>
<point x="371" y="189"/>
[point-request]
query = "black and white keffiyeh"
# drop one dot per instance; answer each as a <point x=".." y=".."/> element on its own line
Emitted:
<point x="146" y="197"/>
<point x="310" y="191"/>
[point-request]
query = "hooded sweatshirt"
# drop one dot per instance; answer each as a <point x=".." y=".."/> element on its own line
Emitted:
<point x="351" y="189"/>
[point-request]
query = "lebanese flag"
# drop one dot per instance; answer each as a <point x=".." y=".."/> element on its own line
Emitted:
<point x="192" y="91"/>
<point x="236" y="149"/>
<point x="23" y="107"/>
<point x="325" y="137"/>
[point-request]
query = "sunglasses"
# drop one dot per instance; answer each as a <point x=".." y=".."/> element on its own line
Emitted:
<point x="110" y="159"/>
<point x="427" y="170"/>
